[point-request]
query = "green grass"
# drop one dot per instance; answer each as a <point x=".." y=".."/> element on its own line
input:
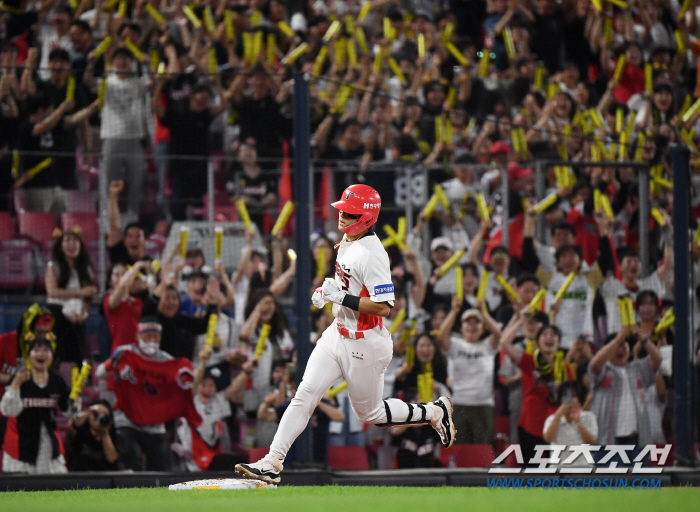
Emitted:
<point x="341" y="499"/>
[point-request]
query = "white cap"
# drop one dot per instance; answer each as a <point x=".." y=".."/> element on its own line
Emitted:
<point x="442" y="241"/>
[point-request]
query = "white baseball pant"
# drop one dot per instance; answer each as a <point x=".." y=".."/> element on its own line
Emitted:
<point x="362" y="363"/>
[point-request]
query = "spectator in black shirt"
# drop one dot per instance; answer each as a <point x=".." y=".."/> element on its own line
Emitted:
<point x="548" y="35"/>
<point x="129" y="249"/>
<point x="188" y="122"/>
<point x="81" y="36"/>
<point x="93" y="440"/>
<point x="344" y="153"/>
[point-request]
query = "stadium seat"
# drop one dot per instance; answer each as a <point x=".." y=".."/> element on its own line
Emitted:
<point x="257" y="453"/>
<point x="7" y="228"/>
<point x="349" y="458"/>
<point x="469" y="455"/>
<point x="16" y="264"/>
<point x="79" y="201"/>
<point x="37" y="226"/>
<point x="87" y="222"/>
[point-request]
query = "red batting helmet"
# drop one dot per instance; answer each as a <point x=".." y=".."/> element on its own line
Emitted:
<point x="359" y="200"/>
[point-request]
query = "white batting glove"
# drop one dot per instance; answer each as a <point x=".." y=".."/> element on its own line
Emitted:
<point x="317" y="298"/>
<point x="332" y="292"/>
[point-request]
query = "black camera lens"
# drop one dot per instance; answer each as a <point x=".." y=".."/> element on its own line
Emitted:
<point x="103" y="420"/>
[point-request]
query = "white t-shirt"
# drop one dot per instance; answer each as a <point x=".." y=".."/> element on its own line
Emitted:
<point x="613" y="288"/>
<point x="227" y="337"/>
<point x="627" y="416"/>
<point x="568" y="434"/>
<point x="124" y="111"/>
<point x="261" y="374"/>
<point x="470" y="367"/>
<point x="362" y="269"/>
<point x="576" y="314"/>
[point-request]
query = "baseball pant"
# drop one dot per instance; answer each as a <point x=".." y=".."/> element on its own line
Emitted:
<point x="362" y="363"/>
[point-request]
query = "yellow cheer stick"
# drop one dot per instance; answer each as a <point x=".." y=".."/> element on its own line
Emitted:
<point x="437" y="189"/>
<point x="410" y="355"/>
<point x="321" y="261"/>
<point x="285" y="29"/>
<point x="605" y="203"/>
<point x="184" y="235"/>
<point x="74" y="373"/>
<point x="39" y="167"/>
<point x="155" y="57"/>
<point x="619" y="68"/>
<point x="80" y="382"/>
<point x="401" y="226"/>
<point x="262" y="341"/>
<point x="451" y="262"/>
<point x="663" y="182"/>
<point x="483" y="282"/>
<point x="696" y="238"/>
<point x="364" y="11"/>
<point x="484" y="63"/>
<point x="691" y="111"/>
<point x="155" y="265"/>
<point x="339" y="52"/>
<point x="102" y="91"/>
<point x="388" y="29"/>
<point x="377" y="64"/>
<point x="110" y="5"/>
<point x="209" y="20"/>
<point x="281" y="221"/>
<point x="565" y="286"/>
<point x="243" y="212"/>
<point x="648" y="79"/>
<point x="481" y="206"/>
<point x="218" y="243"/>
<point x="510" y="46"/>
<point x="456" y="53"/>
<point x="292" y="254"/>
<point x="15" y="164"/>
<point x="597" y="205"/>
<point x="70" y="89"/>
<point x="294" y="55"/>
<point x="400" y="317"/>
<point x="623" y="145"/>
<point x="624" y="312"/>
<point x="213" y="64"/>
<point x="686" y="105"/>
<point x="102" y="47"/>
<point x="334" y="391"/>
<point x="349" y="24"/>
<point x="271" y="46"/>
<point x="536" y="302"/>
<point x="421" y="45"/>
<point x="545" y="203"/>
<point x="255" y="17"/>
<point x="451" y="96"/>
<point x="187" y="10"/>
<point x="506" y="286"/>
<point x="439" y="128"/>
<point x="257" y="44"/>
<point x="459" y="282"/>
<point x="320" y="60"/>
<point x="335" y="26"/>
<point x="608" y="30"/>
<point x="121" y="11"/>
<point x="211" y="331"/>
<point x="684" y="8"/>
<point x="619" y="120"/>
<point x="394" y="237"/>
<point x="361" y="41"/>
<point x="228" y="23"/>
<point x="430" y="207"/>
<point x="396" y="69"/>
<point x="447" y="32"/>
<point x="598" y="4"/>
<point x="667" y="315"/>
<point x="153" y="12"/>
<point x="658" y="217"/>
<point x="539" y="78"/>
<point x="351" y="50"/>
<point x="138" y="54"/>
<point x="680" y="43"/>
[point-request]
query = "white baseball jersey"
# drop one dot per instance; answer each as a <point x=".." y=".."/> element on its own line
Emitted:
<point x="362" y="269"/>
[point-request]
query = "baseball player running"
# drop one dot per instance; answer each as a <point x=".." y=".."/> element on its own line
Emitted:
<point x="356" y="346"/>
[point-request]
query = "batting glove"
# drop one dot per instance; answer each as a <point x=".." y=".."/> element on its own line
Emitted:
<point x="332" y="292"/>
<point x="317" y="298"/>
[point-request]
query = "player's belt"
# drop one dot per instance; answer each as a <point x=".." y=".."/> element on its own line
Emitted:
<point x="355" y="335"/>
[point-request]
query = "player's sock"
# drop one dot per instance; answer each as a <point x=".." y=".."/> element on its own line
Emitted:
<point x="402" y="413"/>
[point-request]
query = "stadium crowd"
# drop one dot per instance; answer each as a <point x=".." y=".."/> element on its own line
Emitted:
<point x="553" y="337"/>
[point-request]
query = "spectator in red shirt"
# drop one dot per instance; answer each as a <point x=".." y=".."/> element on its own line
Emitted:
<point x="122" y="310"/>
<point x="542" y="373"/>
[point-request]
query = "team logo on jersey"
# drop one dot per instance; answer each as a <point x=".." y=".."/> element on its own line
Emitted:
<point x="383" y="288"/>
<point x="343" y="274"/>
<point x="185" y="378"/>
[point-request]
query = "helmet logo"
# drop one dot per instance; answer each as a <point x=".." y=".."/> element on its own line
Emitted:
<point x="349" y="193"/>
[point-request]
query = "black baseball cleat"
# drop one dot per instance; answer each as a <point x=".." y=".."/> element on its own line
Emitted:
<point x="267" y="469"/>
<point x="442" y="420"/>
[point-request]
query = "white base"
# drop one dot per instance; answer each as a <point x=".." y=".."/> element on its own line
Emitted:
<point x="215" y="484"/>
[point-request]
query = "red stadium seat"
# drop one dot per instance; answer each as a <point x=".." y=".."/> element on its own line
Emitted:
<point x="501" y="425"/>
<point x="37" y="226"/>
<point x="257" y="453"/>
<point x="16" y="264"/>
<point x="19" y="201"/>
<point x="349" y="458"/>
<point x="7" y="228"/>
<point x="79" y="201"/>
<point x="86" y="221"/>
<point x="469" y="455"/>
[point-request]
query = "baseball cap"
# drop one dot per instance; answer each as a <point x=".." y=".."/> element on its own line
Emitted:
<point x="516" y="171"/>
<point x="472" y="313"/>
<point x="500" y="146"/>
<point x="442" y="241"/>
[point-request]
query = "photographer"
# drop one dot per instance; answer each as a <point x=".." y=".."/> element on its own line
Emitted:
<point x="92" y="439"/>
<point x="31" y="443"/>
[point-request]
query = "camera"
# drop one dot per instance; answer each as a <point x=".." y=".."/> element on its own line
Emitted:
<point x="103" y="420"/>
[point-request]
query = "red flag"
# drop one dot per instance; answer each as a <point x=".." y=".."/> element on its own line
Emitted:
<point x="153" y="392"/>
